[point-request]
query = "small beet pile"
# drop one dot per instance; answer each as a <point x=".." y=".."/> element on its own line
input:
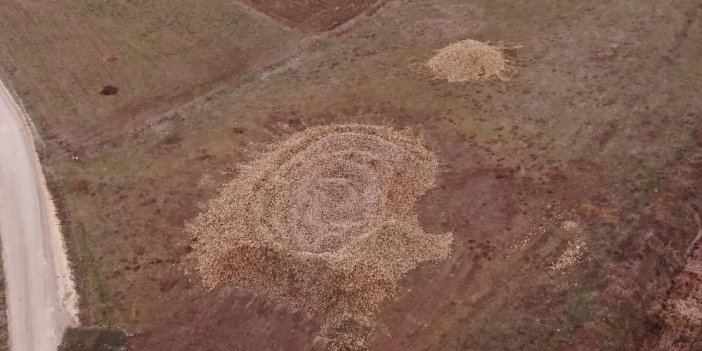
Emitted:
<point x="468" y="60"/>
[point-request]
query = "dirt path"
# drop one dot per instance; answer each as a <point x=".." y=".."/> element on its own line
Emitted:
<point x="40" y="294"/>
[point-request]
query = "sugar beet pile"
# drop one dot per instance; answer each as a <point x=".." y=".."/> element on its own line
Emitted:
<point x="324" y="220"/>
<point x="468" y="60"/>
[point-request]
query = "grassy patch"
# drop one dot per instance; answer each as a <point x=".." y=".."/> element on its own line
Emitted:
<point x="93" y="339"/>
<point x="579" y="310"/>
<point x="95" y="286"/>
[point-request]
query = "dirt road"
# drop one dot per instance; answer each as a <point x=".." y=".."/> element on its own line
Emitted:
<point x="40" y="294"/>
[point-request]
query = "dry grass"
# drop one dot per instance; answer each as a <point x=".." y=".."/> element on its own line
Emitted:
<point x="59" y="56"/>
<point x="325" y="220"/>
<point x="468" y="60"/>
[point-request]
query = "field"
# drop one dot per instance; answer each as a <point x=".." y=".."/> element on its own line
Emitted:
<point x="159" y="55"/>
<point x="571" y="187"/>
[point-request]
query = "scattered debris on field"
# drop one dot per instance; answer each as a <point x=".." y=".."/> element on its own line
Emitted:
<point x="570" y="225"/>
<point x="572" y="256"/>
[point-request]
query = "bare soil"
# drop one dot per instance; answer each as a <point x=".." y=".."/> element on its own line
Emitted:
<point x="601" y="126"/>
<point x="4" y="341"/>
<point x="315" y="15"/>
<point x="682" y="313"/>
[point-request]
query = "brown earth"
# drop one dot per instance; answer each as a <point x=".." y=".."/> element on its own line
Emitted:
<point x="600" y="125"/>
<point x="312" y="15"/>
<point x="682" y="312"/>
<point x="4" y="341"/>
<point x="679" y="315"/>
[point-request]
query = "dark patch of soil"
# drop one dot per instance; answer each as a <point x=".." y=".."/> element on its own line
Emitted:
<point x="109" y="90"/>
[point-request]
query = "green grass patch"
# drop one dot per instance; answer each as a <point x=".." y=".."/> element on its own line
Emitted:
<point x="579" y="310"/>
<point x="95" y="286"/>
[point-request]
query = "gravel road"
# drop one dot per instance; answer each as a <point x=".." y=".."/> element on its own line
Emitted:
<point x="40" y="294"/>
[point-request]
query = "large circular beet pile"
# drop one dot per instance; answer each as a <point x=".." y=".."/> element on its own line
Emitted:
<point x="324" y="220"/>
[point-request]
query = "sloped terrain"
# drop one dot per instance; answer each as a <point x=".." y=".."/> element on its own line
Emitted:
<point x="571" y="188"/>
<point x="92" y="69"/>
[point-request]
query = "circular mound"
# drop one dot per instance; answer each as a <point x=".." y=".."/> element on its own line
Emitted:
<point x="329" y="187"/>
<point x="468" y="60"/>
<point x="325" y="220"/>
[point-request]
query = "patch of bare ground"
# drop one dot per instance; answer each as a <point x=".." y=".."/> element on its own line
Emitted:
<point x="452" y="21"/>
<point x="678" y="313"/>
<point x="233" y="319"/>
<point x="682" y="313"/>
<point x="433" y="30"/>
<point x="315" y="15"/>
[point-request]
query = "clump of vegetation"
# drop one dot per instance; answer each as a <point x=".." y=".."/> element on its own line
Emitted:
<point x="94" y="339"/>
